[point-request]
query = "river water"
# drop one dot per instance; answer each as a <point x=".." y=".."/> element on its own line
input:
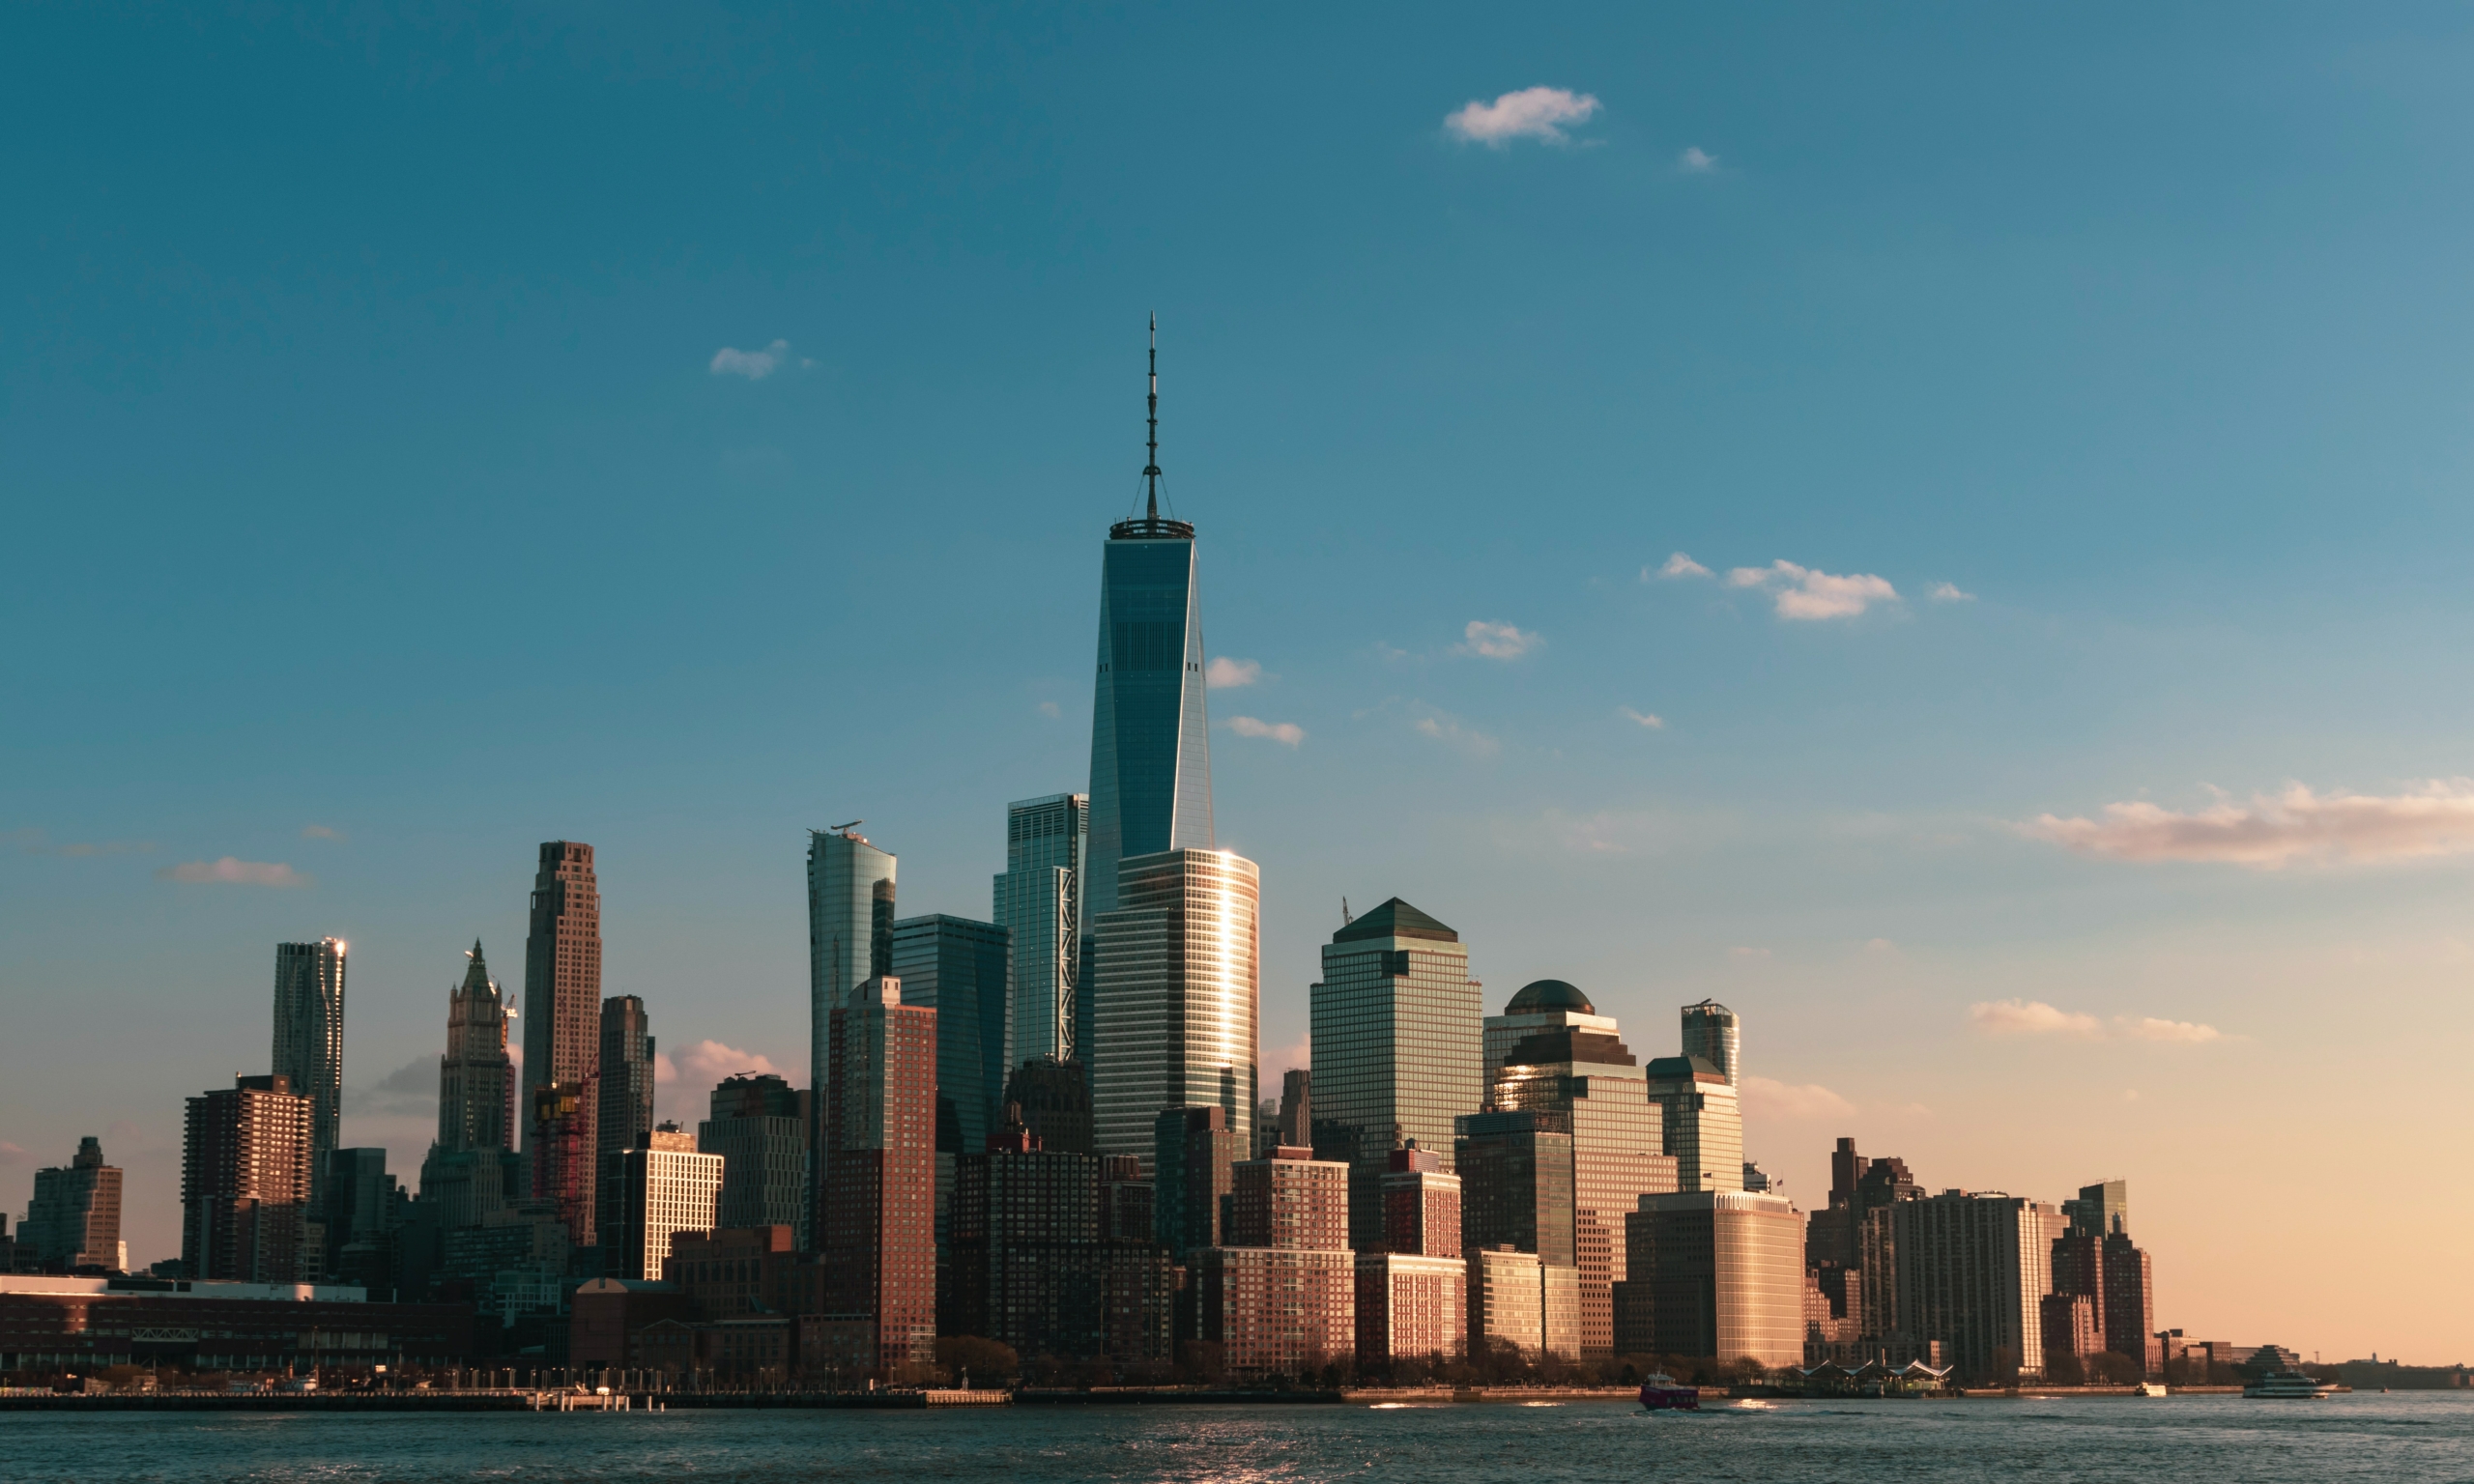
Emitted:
<point x="2207" y="1439"/>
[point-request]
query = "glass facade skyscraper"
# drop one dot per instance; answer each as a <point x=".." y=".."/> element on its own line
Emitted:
<point x="851" y="889"/>
<point x="956" y="967"/>
<point x="1178" y="984"/>
<point x="1150" y="740"/>
<point x="309" y="1037"/>
<point x="1039" y="904"/>
<point x="1396" y="1048"/>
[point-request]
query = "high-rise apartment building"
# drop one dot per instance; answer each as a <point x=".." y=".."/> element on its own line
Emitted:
<point x="74" y="1220"/>
<point x="2130" y="1303"/>
<point x="309" y="1036"/>
<point x="624" y="1112"/>
<point x="956" y="967"/>
<point x="1039" y="904"/>
<point x="1193" y="1152"/>
<point x="1973" y="1269"/>
<point x="877" y="1222"/>
<point x="360" y="1211"/>
<point x="1591" y="1079"/>
<point x="244" y="1183"/>
<point x="662" y="1185"/>
<point x="1177" y="1018"/>
<point x="851" y="896"/>
<point x="1280" y="1296"/>
<point x="1713" y="1273"/>
<point x="759" y="1127"/>
<point x="1396" y="1048"/>
<point x="563" y="1033"/>
<point x="1412" y="1292"/>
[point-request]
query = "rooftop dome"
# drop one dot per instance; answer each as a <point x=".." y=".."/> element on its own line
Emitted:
<point x="1550" y="994"/>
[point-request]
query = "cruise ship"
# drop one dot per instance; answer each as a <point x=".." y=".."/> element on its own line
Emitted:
<point x="2290" y="1386"/>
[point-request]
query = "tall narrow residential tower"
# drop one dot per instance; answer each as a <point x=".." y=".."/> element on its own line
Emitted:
<point x="849" y="942"/>
<point x="309" y="1036"/>
<point x="879" y="1228"/>
<point x="1039" y="904"/>
<point x="563" y="1033"/>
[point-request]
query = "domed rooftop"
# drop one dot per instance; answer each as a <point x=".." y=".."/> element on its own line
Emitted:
<point x="1550" y="994"/>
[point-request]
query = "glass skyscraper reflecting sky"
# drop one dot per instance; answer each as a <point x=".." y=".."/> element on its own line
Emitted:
<point x="1037" y="902"/>
<point x="1150" y="739"/>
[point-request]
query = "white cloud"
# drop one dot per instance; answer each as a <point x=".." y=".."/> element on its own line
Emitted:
<point x="320" y="832"/>
<point x="1678" y="565"/>
<point x="1647" y="721"/>
<point x="1769" y="1097"/>
<point x="1497" y="641"/>
<point x="1288" y="733"/>
<point x="755" y="365"/>
<point x="2035" y="1018"/>
<point x="708" y="1062"/>
<point x="1804" y="593"/>
<point x="234" y="872"/>
<point x="2280" y="829"/>
<point x="1695" y="160"/>
<point x="1948" y="592"/>
<point x="1446" y="730"/>
<point x="1531" y="113"/>
<point x="1224" y="673"/>
<point x="2032" y="1018"/>
<point x="2272" y="831"/>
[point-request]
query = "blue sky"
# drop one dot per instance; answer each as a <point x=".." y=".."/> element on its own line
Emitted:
<point x="371" y="464"/>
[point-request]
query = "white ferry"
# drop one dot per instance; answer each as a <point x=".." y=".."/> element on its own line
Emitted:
<point x="2290" y="1386"/>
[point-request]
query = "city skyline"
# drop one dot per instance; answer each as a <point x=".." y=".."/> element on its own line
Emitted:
<point x="1934" y="537"/>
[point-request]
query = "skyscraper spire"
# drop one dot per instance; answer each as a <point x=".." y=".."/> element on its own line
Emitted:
<point x="1151" y="466"/>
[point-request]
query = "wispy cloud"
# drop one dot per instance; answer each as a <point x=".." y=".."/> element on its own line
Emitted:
<point x="1948" y="592"/>
<point x="1224" y="673"/>
<point x="1695" y="160"/>
<point x="1448" y="730"/>
<point x="1051" y="708"/>
<point x="1530" y="113"/>
<point x="410" y="1089"/>
<point x="1800" y="592"/>
<point x="1747" y="954"/>
<point x="1768" y="1097"/>
<point x="231" y="871"/>
<point x="320" y="832"/>
<point x="755" y="365"/>
<point x="2272" y="831"/>
<point x="1677" y="566"/>
<point x="2035" y="1018"/>
<point x="13" y="1153"/>
<point x="1497" y="641"/>
<point x="1286" y="732"/>
<point x="1647" y="721"/>
<point x="1606" y="832"/>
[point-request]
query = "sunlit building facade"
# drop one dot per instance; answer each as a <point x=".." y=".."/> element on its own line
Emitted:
<point x="563" y="1033"/>
<point x="1714" y="1272"/>
<point x="662" y="1185"/>
<point x="1177" y="1012"/>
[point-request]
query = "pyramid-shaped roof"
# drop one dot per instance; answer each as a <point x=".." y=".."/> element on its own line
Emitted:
<point x="1394" y="918"/>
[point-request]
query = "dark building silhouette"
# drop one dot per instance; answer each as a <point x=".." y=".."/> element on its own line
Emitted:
<point x="956" y="967"/>
<point x="1194" y="1151"/>
<point x="1055" y="1098"/>
<point x="623" y="1111"/>
<point x="74" y="1220"/>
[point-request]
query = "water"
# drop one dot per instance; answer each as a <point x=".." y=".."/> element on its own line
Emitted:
<point x="2406" y="1438"/>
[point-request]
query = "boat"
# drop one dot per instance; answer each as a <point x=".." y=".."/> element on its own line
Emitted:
<point x="2290" y="1386"/>
<point x="1662" y="1393"/>
<point x="2151" y="1389"/>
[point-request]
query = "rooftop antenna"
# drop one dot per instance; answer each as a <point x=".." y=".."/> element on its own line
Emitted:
<point x="1151" y="469"/>
<point x="1345" y="919"/>
<point x="844" y="829"/>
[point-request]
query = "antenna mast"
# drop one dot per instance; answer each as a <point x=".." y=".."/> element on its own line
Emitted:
<point x="1151" y="467"/>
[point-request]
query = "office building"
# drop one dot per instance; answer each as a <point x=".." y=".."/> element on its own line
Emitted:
<point x="1395" y="1022"/>
<point x="662" y="1185"/>
<point x="2130" y="1304"/>
<point x="623" y="1113"/>
<point x="851" y="897"/>
<point x="1973" y="1269"/>
<point x="309" y="1036"/>
<point x="877" y="1227"/>
<point x="1716" y="1273"/>
<point x="1193" y="1152"/>
<point x="1517" y="1300"/>
<point x="1710" y="1033"/>
<point x="1515" y="1171"/>
<point x="1177" y="1017"/>
<point x="1280" y="1296"/>
<point x="956" y="967"/>
<point x="475" y="1077"/>
<point x="1700" y="1120"/>
<point x="759" y="1127"/>
<point x="1054" y="1100"/>
<point x="74" y="1220"/>
<point x="1541" y="1005"/>
<point x="1038" y="902"/>
<point x="244" y="1183"/>
<point x="563" y="1033"/>
<point x="2101" y="1209"/>
<point x="1588" y="1079"/>
<point x="1421" y="1204"/>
